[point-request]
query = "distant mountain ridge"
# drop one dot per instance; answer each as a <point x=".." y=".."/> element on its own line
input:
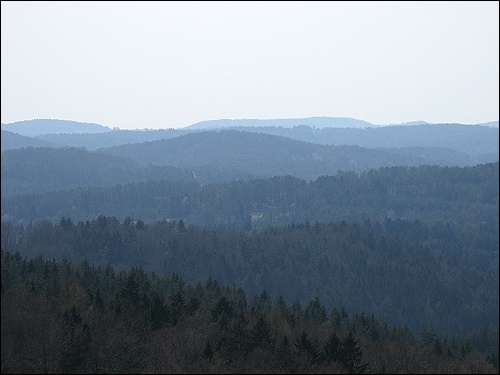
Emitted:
<point x="32" y="128"/>
<point x="479" y="141"/>
<point x="315" y="122"/>
<point x="12" y="141"/>
<point x="492" y="124"/>
<point x="34" y="170"/>
<point x="270" y="155"/>
<point x="53" y="127"/>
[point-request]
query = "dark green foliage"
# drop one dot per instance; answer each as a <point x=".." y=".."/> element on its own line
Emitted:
<point x="332" y="349"/>
<point x="76" y="344"/>
<point x="234" y="339"/>
<point x="362" y="267"/>
<point x="177" y="307"/>
<point x="75" y="351"/>
<point x="130" y="292"/>
<point x="261" y="304"/>
<point x="193" y="304"/>
<point x="315" y="311"/>
<point x="308" y="346"/>
<point x="158" y="312"/>
<point x="260" y="334"/>
<point x="99" y="302"/>
<point x="222" y="307"/>
<point x="352" y="355"/>
<point x="66" y="333"/>
<point x="208" y="352"/>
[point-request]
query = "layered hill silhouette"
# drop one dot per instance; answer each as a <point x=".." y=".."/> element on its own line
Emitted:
<point x="35" y="170"/>
<point x="480" y="141"/>
<point x="434" y="262"/>
<point x="270" y="155"/>
<point x="206" y="156"/>
<point x="398" y="221"/>
<point x="47" y="126"/>
<point x="12" y="141"/>
<point x="315" y="122"/>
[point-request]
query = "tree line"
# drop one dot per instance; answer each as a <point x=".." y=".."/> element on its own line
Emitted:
<point x="464" y="196"/>
<point x="352" y="265"/>
<point x="64" y="317"/>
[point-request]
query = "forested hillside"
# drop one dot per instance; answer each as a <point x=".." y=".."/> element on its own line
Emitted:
<point x="115" y="137"/>
<point x="12" y="141"/>
<point x="467" y="195"/>
<point x="46" y="126"/>
<point x="406" y="281"/>
<point x="237" y="251"/>
<point x="60" y="317"/>
<point x="35" y="170"/>
<point x="286" y="123"/>
<point x="271" y="155"/>
<point x="206" y="157"/>
<point x="478" y="143"/>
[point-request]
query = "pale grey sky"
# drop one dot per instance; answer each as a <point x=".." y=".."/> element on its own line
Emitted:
<point x="137" y="65"/>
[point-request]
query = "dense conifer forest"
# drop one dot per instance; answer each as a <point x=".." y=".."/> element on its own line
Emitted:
<point x="166" y="257"/>
<point x="459" y="195"/>
<point x="62" y="317"/>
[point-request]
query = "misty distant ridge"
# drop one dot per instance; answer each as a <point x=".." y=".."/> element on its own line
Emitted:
<point x="492" y="124"/>
<point x="11" y="140"/>
<point x="314" y="122"/>
<point x="37" y="127"/>
<point x="32" y="128"/>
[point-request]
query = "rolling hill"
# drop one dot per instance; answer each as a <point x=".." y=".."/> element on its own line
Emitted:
<point x="12" y="141"/>
<point x="39" y="170"/>
<point x="268" y="155"/>
<point x="480" y="142"/>
<point x="315" y="122"/>
<point x="47" y="126"/>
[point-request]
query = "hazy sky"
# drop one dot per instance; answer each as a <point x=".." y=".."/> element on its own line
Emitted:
<point x="138" y="65"/>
